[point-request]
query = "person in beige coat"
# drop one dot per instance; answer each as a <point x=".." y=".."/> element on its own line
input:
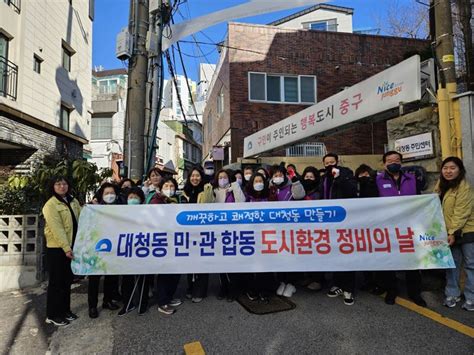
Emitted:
<point x="457" y="200"/>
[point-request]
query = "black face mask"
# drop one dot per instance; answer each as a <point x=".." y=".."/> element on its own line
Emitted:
<point x="330" y="167"/>
<point x="394" y="168"/>
<point x="364" y="180"/>
<point x="309" y="184"/>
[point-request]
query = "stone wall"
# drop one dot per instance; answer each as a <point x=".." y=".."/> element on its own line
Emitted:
<point x="422" y="121"/>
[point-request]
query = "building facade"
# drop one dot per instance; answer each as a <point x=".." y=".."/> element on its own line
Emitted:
<point x="45" y="81"/>
<point x="276" y="72"/>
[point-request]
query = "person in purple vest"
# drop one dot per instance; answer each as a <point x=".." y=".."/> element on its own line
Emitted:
<point x="227" y="192"/>
<point x="394" y="182"/>
<point x="339" y="182"/>
<point x="284" y="189"/>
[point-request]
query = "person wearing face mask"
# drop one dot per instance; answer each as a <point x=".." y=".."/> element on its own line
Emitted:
<point x="368" y="188"/>
<point x="61" y="213"/>
<point x="264" y="172"/>
<point x="457" y="199"/>
<point x="209" y="171"/>
<point x="167" y="283"/>
<point x="226" y="192"/>
<point x="339" y="182"/>
<point x="394" y="182"/>
<point x="311" y="180"/>
<point x="135" y="197"/>
<point x="238" y="177"/>
<point x="248" y="172"/>
<point x="284" y="189"/>
<point x="258" y="286"/>
<point x="108" y="194"/>
<point x="125" y="185"/>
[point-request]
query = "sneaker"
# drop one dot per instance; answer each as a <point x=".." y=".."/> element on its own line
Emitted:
<point x="175" y="302"/>
<point x="166" y="310"/>
<point x="314" y="286"/>
<point x="280" y="289"/>
<point x="451" y="301"/>
<point x="60" y="322"/>
<point x="71" y="316"/>
<point x="251" y="296"/>
<point x="334" y="291"/>
<point x="196" y="299"/>
<point x="124" y="310"/>
<point x="289" y="290"/>
<point x="348" y="298"/>
<point x="468" y="306"/>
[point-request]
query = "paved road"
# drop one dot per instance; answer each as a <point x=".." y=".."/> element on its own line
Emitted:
<point x="317" y="325"/>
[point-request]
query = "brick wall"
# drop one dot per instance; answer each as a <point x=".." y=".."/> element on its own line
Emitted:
<point x="34" y="144"/>
<point x="337" y="60"/>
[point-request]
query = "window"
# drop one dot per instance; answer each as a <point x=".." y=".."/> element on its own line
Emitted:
<point x="108" y="86"/>
<point x="3" y="64"/>
<point x="293" y="89"/>
<point x="327" y="25"/>
<point x="257" y="86"/>
<point x="101" y="128"/>
<point x="64" y="118"/>
<point x="67" y="53"/>
<point x="37" y="63"/>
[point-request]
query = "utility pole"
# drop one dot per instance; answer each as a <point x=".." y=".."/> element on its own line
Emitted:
<point x="449" y="115"/>
<point x="160" y="18"/>
<point x="134" y="132"/>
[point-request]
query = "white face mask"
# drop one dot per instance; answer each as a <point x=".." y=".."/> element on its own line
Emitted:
<point x="209" y="171"/>
<point x="258" y="186"/>
<point x="278" y="180"/>
<point x="168" y="192"/>
<point x="223" y="182"/>
<point x="109" y="198"/>
<point x="247" y="177"/>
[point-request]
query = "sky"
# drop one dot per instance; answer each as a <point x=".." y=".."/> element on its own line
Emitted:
<point x="112" y="15"/>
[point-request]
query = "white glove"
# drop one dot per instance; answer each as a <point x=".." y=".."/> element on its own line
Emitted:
<point x="335" y="172"/>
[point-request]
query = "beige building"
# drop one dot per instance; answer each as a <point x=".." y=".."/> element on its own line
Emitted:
<point x="45" y="79"/>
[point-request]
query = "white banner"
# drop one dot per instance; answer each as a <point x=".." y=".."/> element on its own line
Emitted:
<point x="251" y="8"/>
<point x="393" y="233"/>
<point x="381" y="92"/>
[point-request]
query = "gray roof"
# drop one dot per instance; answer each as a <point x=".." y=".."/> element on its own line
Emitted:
<point x="346" y="10"/>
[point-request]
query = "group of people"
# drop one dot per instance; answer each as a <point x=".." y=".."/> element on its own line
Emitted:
<point x="277" y="183"/>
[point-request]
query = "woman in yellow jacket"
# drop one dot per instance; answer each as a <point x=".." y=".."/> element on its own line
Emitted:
<point x="61" y="213"/>
<point x="457" y="200"/>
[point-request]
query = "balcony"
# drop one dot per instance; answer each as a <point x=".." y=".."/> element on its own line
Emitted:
<point x="8" y="78"/>
<point x="16" y="4"/>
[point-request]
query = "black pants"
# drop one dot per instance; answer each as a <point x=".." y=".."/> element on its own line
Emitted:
<point x="110" y="288"/>
<point x="345" y="280"/>
<point x="261" y="283"/>
<point x="197" y="285"/>
<point x="413" y="282"/>
<point x="58" y="301"/>
<point x="288" y="277"/>
<point x="230" y="285"/>
<point x="142" y="283"/>
<point x="167" y="285"/>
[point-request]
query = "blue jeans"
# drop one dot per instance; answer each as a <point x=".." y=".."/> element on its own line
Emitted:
<point x="461" y="253"/>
